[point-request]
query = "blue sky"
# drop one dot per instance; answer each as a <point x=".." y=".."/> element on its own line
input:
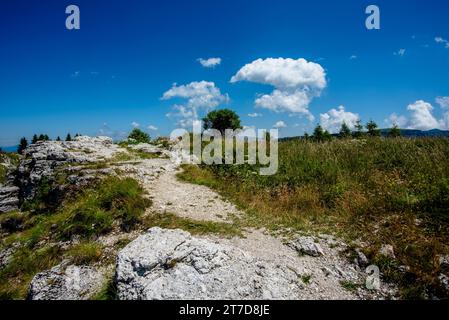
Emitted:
<point x="127" y="54"/>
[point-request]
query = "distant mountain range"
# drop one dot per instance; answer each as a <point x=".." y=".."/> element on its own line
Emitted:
<point x="410" y="133"/>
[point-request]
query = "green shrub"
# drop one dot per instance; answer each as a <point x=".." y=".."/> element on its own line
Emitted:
<point x="138" y="136"/>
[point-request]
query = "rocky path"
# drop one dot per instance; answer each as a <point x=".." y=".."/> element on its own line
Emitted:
<point x="189" y="201"/>
<point x="318" y="276"/>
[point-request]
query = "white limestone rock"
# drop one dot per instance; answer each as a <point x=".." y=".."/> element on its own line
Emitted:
<point x="65" y="283"/>
<point x="171" y="264"/>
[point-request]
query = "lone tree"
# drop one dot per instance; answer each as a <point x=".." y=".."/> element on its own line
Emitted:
<point x="22" y="145"/>
<point x="58" y="139"/>
<point x="138" y="136"/>
<point x="345" y="132"/>
<point x="358" y="130"/>
<point x="320" y="135"/>
<point x="221" y="120"/>
<point x="372" y="128"/>
<point x="394" y="132"/>
<point x="68" y="138"/>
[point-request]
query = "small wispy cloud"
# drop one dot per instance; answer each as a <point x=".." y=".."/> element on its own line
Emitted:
<point x="210" y="62"/>
<point x="75" y="74"/>
<point x="353" y="57"/>
<point x="254" y="115"/>
<point x="151" y="127"/>
<point x="443" y="41"/>
<point x="134" y="124"/>
<point x="443" y="102"/>
<point x="116" y="135"/>
<point x="400" y="52"/>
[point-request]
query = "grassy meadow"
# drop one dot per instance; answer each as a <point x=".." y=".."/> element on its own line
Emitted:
<point x="371" y="192"/>
<point x="112" y="203"/>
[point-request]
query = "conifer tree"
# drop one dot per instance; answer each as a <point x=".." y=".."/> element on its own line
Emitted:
<point x="372" y="128"/>
<point x="345" y="132"/>
<point x="22" y="145"/>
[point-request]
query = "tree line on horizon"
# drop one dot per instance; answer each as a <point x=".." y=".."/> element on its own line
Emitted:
<point x="23" y="143"/>
<point x="372" y="130"/>
<point x="227" y="119"/>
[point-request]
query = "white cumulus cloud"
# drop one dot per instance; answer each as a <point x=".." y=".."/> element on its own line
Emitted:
<point x="134" y="124"/>
<point x="279" y="101"/>
<point x="283" y="73"/>
<point x="199" y="95"/>
<point x="334" y="118"/>
<point x="254" y="115"/>
<point x="280" y="125"/>
<point x="421" y="116"/>
<point x="209" y="63"/>
<point x="296" y="83"/>
<point x="151" y="127"/>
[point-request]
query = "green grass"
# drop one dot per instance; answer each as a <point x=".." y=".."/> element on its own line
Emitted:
<point x="3" y="173"/>
<point x="306" y="278"/>
<point x="143" y="155"/>
<point x="16" y="276"/>
<point x="349" y="285"/>
<point x="10" y="159"/>
<point x="112" y="203"/>
<point x="373" y="190"/>
<point x="107" y="292"/>
<point x="85" y="253"/>
<point x="93" y="212"/>
<point x="12" y="221"/>
<point x="172" y="221"/>
<point x="133" y="155"/>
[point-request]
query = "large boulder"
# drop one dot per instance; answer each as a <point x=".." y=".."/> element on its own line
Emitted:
<point x="65" y="283"/>
<point x="44" y="157"/>
<point x="171" y="264"/>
